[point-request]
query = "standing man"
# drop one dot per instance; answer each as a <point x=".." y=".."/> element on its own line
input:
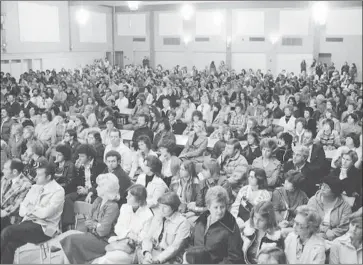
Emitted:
<point x="41" y="209"/>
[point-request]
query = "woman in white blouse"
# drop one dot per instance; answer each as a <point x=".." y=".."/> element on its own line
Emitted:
<point x="134" y="216"/>
<point x="205" y="108"/>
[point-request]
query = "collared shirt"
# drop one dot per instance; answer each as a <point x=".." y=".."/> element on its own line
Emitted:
<point x="87" y="174"/>
<point x="299" y="168"/>
<point x="16" y="179"/>
<point x="310" y="151"/>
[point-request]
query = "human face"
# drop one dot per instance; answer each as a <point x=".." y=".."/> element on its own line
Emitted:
<point x="21" y="114"/>
<point x="326" y="190"/>
<point x="307" y="138"/>
<point x="141" y="121"/>
<point x="301" y="227"/>
<point x="229" y="150"/>
<point x="255" y="102"/>
<point x="44" y="118"/>
<point x="59" y="157"/>
<point x="250" y="139"/>
<point x="329" y="105"/>
<point x="287" y="112"/>
<point x="238" y="109"/>
<point x="349" y="141"/>
<point x="266" y="259"/>
<point x="327" y="128"/>
<point x="299" y="127"/>
<point x="266" y="152"/>
<point x="109" y="125"/>
<point x="347" y="161"/>
<point x="355" y="230"/>
<point x="7" y="170"/>
<point x="306" y="114"/>
<point x="115" y="139"/>
<point x="183" y="172"/>
<point x="165" y="210"/>
<point x="111" y="162"/>
<point x="83" y="159"/>
<point x="217" y="210"/>
<point x="91" y="139"/>
<point x="298" y="158"/>
<point x="252" y="180"/>
<point x="350" y="120"/>
<point x="260" y="222"/>
<point x="4" y="113"/>
<point x="131" y="199"/>
<point x="288" y="186"/>
<point x="41" y="178"/>
<point x="142" y="146"/>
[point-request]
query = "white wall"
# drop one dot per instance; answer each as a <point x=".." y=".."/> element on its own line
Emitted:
<point x="291" y="62"/>
<point x="249" y="60"/>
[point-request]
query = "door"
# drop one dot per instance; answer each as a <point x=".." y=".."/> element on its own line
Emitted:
<point x="325" y="58"/>
<point x="119" y="58"/>
<point x="109" y="57"/>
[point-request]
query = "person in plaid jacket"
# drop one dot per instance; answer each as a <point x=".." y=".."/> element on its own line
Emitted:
<point x="14" y="187"/>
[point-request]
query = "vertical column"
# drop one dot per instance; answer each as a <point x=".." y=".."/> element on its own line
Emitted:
<point x="152" y="33"/>
<point x="229" y="38"/>
<point x="113" y="34"/>
<point x="317" y="32"/>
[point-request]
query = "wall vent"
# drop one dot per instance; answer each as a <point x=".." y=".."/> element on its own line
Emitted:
<point x="201" y="39"/>
<point x="334" y="39"/>
<point x="257" y="39"/>
<point x="292" y="41"/>
<point x="139" y="39"/>
<point x="324" y="55"/>
<point x="171" y="41"/>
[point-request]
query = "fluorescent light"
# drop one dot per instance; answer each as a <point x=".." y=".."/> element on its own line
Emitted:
<point x="82" y="16"/>
<point x="187" y="11"/>
<point x="320" y="12"/>
<point x="133" y="5"/>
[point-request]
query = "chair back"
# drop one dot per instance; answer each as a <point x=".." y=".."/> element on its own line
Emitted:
<point x="83" y="208"/>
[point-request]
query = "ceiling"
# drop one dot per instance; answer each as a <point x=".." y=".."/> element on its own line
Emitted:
<point x="124" y="3"/>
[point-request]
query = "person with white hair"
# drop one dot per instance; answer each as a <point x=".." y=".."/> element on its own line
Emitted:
<point x="81" y="247"/>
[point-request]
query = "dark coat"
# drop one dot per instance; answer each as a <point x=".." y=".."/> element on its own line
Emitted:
<point x="123" y="180"/>
<point x="311" y="125"/>
<point x="14" y="109"/>
<point x="141" y="131"/>
<point x="277" y="113"/>
<point x="222" y="239"/>
<point x="65" y="177"/>
<point x="351" y="184"/>
<point x="251" y="155"/>
<point x="205" y="185"/>
<point x="284" y="155"/>
<point x="318" y="163"/>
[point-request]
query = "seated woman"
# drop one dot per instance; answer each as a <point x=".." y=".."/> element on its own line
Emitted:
<point x="134" y="217"/>
<point x="271" y="255"/>
<point x="251" y="126"/>
<point x="163" y="135"/>
<point x="287" y="198"/>
<point x="287" y="122"/>
<point x="284" y="151"/>
<point x="328" y="137"/>
<point x="165" y="237"/>
<point x="310" y="121"/>
<point x="252" y="150"/>
<point x="350" y="177"/>
<point x="304" y="245"/>
<point x="261" y="231"/>
<point x="140" y="155"/>
<point x="351" y="126"/>
<point x="81" y="128"/>
<point x="64" y="167"/>
<point x="300" y="125"/>
<point x="332" y="209"/>
<point x="250" y="195"/>
<point x="34" y="157"/>
<point x="223" y="114"/>
<point x="79" y="247"/>
<point x="94" y="139"/>
<point x="347" y="249"/>
<point x="171" y="163"/>
<point x="197" y="143"/>
<point x="329" y="114"/>
<point x="224" y="136"/>
<point x="196" y="116"/>
<point x="352" y="142"/>
<point x="268" y="161"/>
<point x="266" y="123"/>
<point x="186" y="185"/>
<point x="238" y="118"/>
<point x="45" y="130"/>
<point x="152" y="180"/>
<point x="217" y="230"/>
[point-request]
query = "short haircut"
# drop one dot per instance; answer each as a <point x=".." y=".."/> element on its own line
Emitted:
<point x="65" y="150"/>
<point x="312" y="217"/>
<point x="198" y="114"/>
<point x="303" y="150"/>
<point x="169" y="146"/>
<point x="266" y="210"/>
<point x="115" y="154"/>
<point x="330" y="123"/>
<point x="110" y="118"/>
<point x="287" y="138"/>
<point x="96" y="135"/>
<point x="139" y="192"/>
<point x="166" y="123"/>
<point x="116" y="130"/>
<point x="296" y="178"/>
<point x="145" y="139"/>
<point x="155" y="164"/>
<point x="146" y="117"/>
<point x="268" y="143"/>
<point x="88" y="150"/>
<point x="275" y="253"/>
<point x="17" y="164"/>
<point x="216" y="194"/>
<point x="72" y="133"/>
<point x="236" y="144"/>
<point x="49" y="169"/>
<point x="37" y="148"/>
<point x="171" y="199"/>
<point x="302" y="120"/>
<point x="310" y="110"/>
<point x="352" y="154"/>
<point x="239" y="105"/>
<point x="212" y="166"/>
<point x="260" y="174"/>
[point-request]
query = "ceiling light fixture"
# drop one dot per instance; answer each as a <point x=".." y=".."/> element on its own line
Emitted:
<point x="187" y="11"/>
<point x="133" y="5"/>
<point x="82" y="16"/>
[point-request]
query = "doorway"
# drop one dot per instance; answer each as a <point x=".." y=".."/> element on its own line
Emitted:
<point x="325" y="58"/>
<point x="119" y="58"/>
<point x="109" y="57"/>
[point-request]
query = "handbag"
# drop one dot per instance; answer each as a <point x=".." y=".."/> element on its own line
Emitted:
<point x="245" y="209"/>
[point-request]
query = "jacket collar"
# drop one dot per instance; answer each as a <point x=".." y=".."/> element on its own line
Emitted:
<point x="345" y="240"/>
<point x="227" y="221"/>
<point x="248" y="231"/>
<point x="319" y="201"/>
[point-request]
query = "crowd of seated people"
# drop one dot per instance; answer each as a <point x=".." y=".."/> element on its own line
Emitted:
<point x="220" y="166"/>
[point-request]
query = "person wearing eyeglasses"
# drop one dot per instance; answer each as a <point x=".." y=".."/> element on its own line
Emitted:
<point x="304" y="245"/>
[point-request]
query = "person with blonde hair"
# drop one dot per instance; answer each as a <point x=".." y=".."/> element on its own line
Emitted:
<point x="304" y="245"/>
<point x="81" y="247"/>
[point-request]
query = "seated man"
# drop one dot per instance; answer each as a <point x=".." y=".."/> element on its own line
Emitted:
<point x="84" y="183"/>
<point x="14" y="187"/>
<point x="41" y="209"/>
<point x="231" y="158"/>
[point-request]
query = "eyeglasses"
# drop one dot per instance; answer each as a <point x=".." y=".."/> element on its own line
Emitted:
<point x="300" y="225"/>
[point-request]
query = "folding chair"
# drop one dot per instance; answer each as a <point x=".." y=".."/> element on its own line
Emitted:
<point x="81" y="209"/>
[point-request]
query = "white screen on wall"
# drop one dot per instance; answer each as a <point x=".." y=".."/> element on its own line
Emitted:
<point x="248" y="23"/>
<point x="131" y="24"/>
<point x="291" y="62"/>
<point x="294" y="22"/>
<point x="249" y="60"/>
<point x="344" y="22"/>
<point x="95" y="29"/>
<point x="38" y="22"/>
<point x="170" y="24"/>
<point x="206" y="23"/>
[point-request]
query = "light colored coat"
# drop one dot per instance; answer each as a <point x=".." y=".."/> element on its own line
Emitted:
<point x="155" y="189"/>
<point x="272" y="169"/>
<point x="289" y="126"/>
<point x="313" y="253"/>
<point x="44" y="208"/>
<point x="343" y="252"/>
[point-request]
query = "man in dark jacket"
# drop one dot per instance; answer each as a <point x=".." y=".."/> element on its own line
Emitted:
<point x="84" y="182"/>
<point x="142" y="129"/>
<point x="13" y="106"/>
<point x="113" y="161"/>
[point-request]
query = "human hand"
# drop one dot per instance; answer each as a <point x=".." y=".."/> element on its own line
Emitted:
<point x="90" y="224"/>
<point x="89" y="197"/>
<point x="148" y="259"/>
